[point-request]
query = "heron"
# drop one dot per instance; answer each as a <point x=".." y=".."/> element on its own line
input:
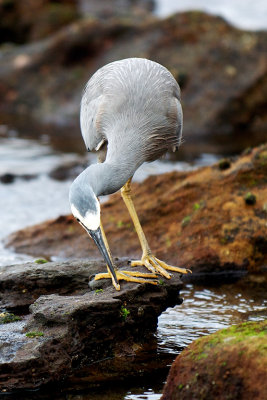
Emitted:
<point x="130" y="114"/>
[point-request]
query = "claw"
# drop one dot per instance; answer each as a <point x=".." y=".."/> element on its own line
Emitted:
<point x="129" y="276"/>
<point x="155" y="265"/>
<point x="175" y="269"/>
<point x="158" y="267"/>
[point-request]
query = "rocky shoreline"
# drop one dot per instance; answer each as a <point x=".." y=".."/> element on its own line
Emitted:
<point x="74" y="332"/>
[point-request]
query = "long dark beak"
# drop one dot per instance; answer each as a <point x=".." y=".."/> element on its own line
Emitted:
<point x="98" y="239"/>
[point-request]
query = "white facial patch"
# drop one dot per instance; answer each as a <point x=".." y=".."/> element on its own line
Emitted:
<point x="91" y="220"/>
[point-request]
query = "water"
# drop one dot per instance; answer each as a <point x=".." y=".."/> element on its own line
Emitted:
<point x="28" y="202"/>
<point x="206" y="310"/>
<point x="243" y="14"/>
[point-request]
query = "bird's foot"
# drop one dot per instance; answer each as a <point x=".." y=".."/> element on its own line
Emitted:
<point x="129" y="276"/>
<point x="157" y="266"/>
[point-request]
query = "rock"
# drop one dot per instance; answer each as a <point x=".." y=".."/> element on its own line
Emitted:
<point x="229" y="364"/>
<point x="224" y="163"/>
<point x="68" y="170"/>
<point x="74" y="334"/>
<point x="8" y="177"/>
<point x="22" y="284"/>
<point x="196" y="219"/>
<point x="250" y="198"/>
<point x="29" y="20"/>
<point x="32" y="20"/>
<point x="222" y="72"/>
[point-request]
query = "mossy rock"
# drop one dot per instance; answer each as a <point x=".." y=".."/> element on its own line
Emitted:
<point x="6" y="318"/>
<point x="229" y="364"/>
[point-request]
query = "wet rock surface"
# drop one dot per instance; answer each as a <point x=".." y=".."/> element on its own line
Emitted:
<point x="74" y="334"/>
<point x="68" y="170"/>
<point x="199" y="219"/>
<point x="222" y="72"/>
<point x="10" y="178"/>
<point x="228" y="364"/>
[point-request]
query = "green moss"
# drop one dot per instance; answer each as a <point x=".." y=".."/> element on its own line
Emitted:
<point x="168" y="242"/>
<point x="34" y="334"/>
<point x="244" y="330"/>
<point x="120" y="224"/>
<point x="199" y="205"/>
<point x="40" y="261"/>
<point x="6" y="318"/>
<point x="223" y="240"/>
<point x="254" y="331"/>
<point x="224" y="164"/>
<point x="186" y="220"/>
<point x="97" y="291"/>
<point x="201" y="356"/>
<point x="124" y="313"/>
<point x="247" y="151"/>
<point x="250" y="198"/>
<point x="196" y="206"/>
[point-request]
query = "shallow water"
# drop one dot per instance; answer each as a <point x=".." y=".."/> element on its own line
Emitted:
<point x="206" y="310"/>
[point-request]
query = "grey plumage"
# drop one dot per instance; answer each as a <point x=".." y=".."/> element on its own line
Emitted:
<point x="134" y="105"/>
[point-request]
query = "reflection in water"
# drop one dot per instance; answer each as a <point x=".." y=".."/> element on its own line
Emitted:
<point x="205" y="311"/>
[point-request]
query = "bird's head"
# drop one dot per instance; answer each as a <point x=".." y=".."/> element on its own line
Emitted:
<point x="84" y="205"/>
<point x="85" y="208"/>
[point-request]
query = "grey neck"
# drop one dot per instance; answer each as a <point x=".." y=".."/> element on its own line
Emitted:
<point x="107" y="178"/>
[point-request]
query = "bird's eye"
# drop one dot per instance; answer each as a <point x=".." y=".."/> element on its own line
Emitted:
<point x="77" y="219"/>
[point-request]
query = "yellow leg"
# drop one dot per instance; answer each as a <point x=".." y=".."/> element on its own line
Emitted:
<point x="129" y="276"/>
<point x="152" y="263"/>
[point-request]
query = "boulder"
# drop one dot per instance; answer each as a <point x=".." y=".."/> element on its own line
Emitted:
<point x="229" y="364"/>
<point x="202" y="219"/>
<point x="31" y="20"/>
<point x="221" y="70"/>
<point x="72" y="333"/>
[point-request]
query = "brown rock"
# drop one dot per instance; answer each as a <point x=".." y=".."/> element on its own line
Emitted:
<point x="197" y="219"/>
<point x="77" y="334"/>
<point x="229" y="364"/>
